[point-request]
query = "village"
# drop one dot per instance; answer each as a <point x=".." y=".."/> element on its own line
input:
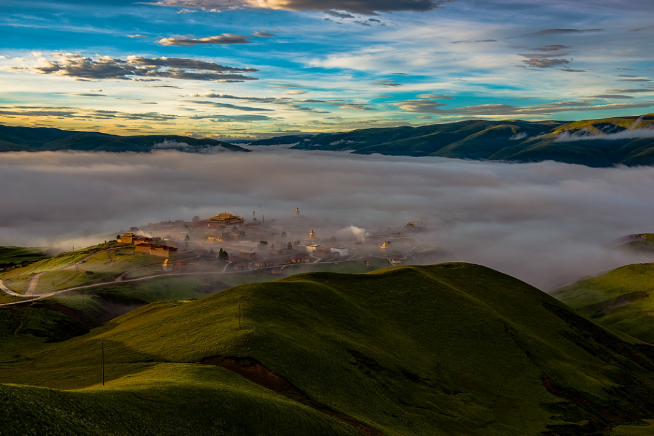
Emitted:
<point x="256" y="244"/>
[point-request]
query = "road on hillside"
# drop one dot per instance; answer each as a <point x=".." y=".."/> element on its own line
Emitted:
<point x="113" y="282"/>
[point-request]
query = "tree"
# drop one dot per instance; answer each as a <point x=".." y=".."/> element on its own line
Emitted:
<point x="222" y="255"/>
<point x="196" y="219"/>
<point x="283" y="234"/>
<point x="212" y="252"/>
<point x="289" y="246"/>
<point x="187" y="237"/>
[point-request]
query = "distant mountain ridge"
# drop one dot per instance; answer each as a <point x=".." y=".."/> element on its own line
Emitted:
<point x="48" y="139"/>
<point x="596" y="143"/>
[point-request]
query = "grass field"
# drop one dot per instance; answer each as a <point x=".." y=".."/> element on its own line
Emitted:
<point x="451" y="349"/>
<point x="620" y="299"/>
<point x="17" y="256"/>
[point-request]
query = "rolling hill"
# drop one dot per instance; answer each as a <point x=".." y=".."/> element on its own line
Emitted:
<point x="619" y="299"/>
<point x="46" y="139"/>
<point x="449" y="349"/>
<point x="595" y="143"/>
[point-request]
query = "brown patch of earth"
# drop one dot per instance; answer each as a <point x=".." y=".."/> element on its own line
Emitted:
<point x="259" y="374"/>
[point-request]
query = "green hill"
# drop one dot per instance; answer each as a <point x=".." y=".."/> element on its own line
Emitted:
<point x="45" y="139"/>
<point x="450" y="349"/>
<point x="581" y="142"/>
<point x="619" y="299"/>
<point x="17" y="256"/>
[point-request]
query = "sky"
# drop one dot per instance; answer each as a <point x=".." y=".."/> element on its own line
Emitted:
<point x="546" y="223"/>
<point x="244" y="69"/>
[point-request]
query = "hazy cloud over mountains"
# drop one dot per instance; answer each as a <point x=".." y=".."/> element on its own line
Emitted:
<point x="546" y="223"/>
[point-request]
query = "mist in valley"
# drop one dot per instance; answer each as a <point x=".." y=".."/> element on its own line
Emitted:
<point x="546" y="223"/>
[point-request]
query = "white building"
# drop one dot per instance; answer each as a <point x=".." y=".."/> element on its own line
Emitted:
<point x="340" y="250"/>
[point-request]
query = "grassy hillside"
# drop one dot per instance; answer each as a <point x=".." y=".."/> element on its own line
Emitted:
<point x="43" y="139"/>
<point x="620" y="299"/>
<point x="11" y="257"/>
<point x="451" y="349"/>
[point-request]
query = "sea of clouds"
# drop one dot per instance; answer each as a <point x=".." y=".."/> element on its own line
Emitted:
<point x="546" y="223"/>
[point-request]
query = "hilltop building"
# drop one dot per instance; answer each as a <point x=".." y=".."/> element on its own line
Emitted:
<point x="127" y="238"/>
<point x="224" y="219"/>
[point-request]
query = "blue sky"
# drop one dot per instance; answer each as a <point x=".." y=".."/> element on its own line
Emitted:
<point x="256" y="68"/>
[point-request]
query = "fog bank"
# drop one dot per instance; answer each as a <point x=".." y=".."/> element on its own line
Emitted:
<point x="544" y="223"/>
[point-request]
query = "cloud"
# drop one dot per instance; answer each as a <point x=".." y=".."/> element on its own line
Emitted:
<point x="436" y="97"/>
<point x="137" y="36"/>
<point x="629" y="91"/>
<point x="83" y="114"/>
<point x="554" y="47"/>
<point x="386" y="82"/>
<point x="422" y="105"/>
<point x="289" y="103"/>
<point x="225" y="38"/>
<point x="354" y="106"/>
<point x="429" y="106"/>
<point x="546" y="63"/>
<point x="492" y="214"/>
<point x="264" y="34"/>
<point x="562" y="31"/>
<point x="585" y="135"/>
<point x="364" y="7"/>
<point x="232" y="106"/>
<point x="135" y="68"/>
<point x="473" y="42"/>
<point x="339" y="14"/>
<point x="609" y="96"/>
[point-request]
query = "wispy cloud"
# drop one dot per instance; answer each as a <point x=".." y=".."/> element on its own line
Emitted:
<point x="365" y="7"/>
<point x="264" y="34"/>
<point x="224" y="39"/>
<point x="135" y="68"/>
<point x="562" y="31"/>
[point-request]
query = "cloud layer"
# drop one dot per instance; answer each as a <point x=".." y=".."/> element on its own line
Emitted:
<point x="366" y="7"/>
<point x="545" y="223"/>
<point x="134" y="68"/>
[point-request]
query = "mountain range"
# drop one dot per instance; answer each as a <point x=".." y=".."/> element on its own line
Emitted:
<point x="48" y="139"/>
<point x="596" y="143"/>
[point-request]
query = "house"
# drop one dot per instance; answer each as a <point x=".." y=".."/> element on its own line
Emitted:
<point x="298" y="258"/>
<point x="127" y="238"/>
<point x="323" y="253"/>
<point x="240" y="266"/>
<point x="247" y="255"/>
<point x="340" y="251"/>
<point x="143" y="247"/>
<point x="312" y="248"/>
<point x="162" y="251"/>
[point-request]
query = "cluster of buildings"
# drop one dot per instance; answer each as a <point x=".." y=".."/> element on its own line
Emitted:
<point x="143" y="244"/>
<point x="253" y="243"/>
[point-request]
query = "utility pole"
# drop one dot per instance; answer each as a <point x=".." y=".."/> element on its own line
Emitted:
<point x="102" y="345"/>
<point x="389" y="261"/>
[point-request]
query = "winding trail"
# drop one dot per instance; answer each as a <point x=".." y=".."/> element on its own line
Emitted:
<point x="121" y="279"/>
<point x="33" y="283"/>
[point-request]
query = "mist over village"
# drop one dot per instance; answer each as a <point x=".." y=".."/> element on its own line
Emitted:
<point x="326" y="218"/>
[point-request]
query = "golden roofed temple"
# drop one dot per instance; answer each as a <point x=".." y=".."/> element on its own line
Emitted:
<point x="225" y="219"/>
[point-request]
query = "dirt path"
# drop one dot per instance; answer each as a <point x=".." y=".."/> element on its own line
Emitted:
<point x="33" y="284"/>
<point x="8" y="291"/>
